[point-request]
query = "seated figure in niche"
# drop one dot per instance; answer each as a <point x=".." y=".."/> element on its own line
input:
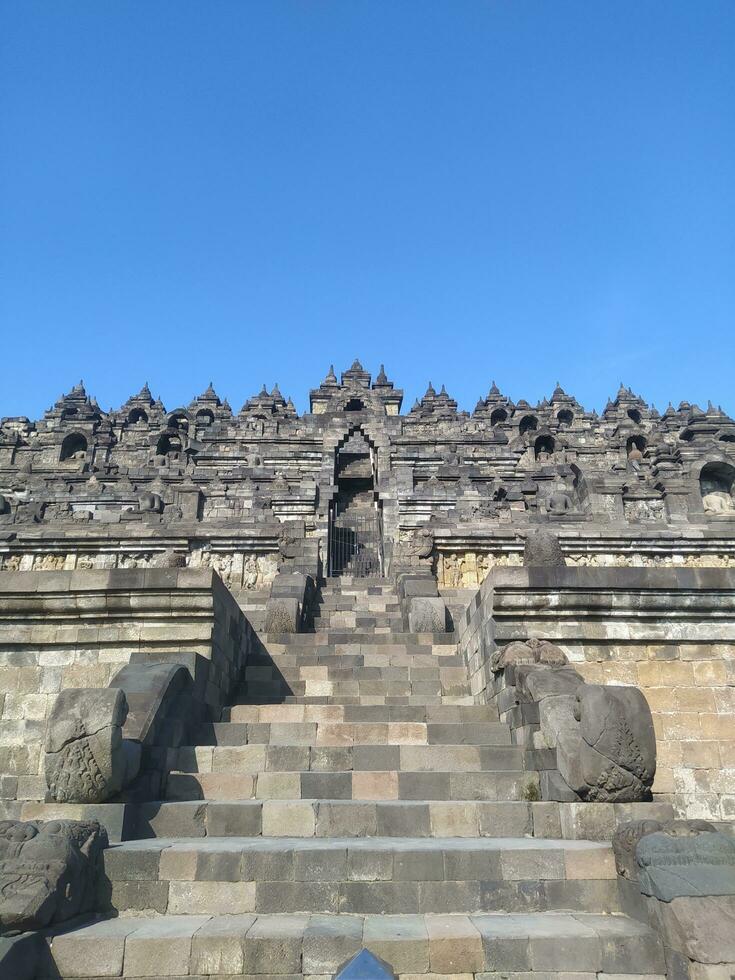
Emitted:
<point x="558" y="501"/>
<point x="718" y="502"/>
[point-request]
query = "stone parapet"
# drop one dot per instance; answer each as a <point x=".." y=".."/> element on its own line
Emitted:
<point x="62" y="630"/>
<point x="669" y="632"/>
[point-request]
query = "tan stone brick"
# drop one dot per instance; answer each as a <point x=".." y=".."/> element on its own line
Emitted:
<point x="454" y="943"/>
<point x="700" y="755"/>
<point x="375" y="785"/>
<point x="727" y="752"/>
<point x="684" y="724"/>
<point x="590" y="863"/>
<point x="716" y="726"/>
<point x="278" y="786"/>
<point x="288" y="818"/>
<point x="725" y="701"/>
<point x="664" y="781"/>
<point x="211" y="897"/>
<point x="694" y="699"/>
<point x="677" y="674"/>
<point x="710" y="674"/>
<point x="617" y="673"/>
<point x="334" y="733"/>
<point x="659" y="698"/>
<point x="649" y="674"/>
<point x="453" y="819"/>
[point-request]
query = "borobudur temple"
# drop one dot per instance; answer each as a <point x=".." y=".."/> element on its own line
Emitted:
<point x="360" y="693"/>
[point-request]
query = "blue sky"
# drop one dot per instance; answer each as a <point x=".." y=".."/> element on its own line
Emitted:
<point x="245" y="190"/>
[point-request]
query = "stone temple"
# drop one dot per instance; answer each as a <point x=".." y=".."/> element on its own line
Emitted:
<point x="367" y="694"/>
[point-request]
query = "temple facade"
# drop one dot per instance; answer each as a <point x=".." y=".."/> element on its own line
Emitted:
<point x="364" y="694"/>
<point x="84" y="488"/>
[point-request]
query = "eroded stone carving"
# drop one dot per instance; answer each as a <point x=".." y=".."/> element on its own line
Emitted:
<point x="718" y="502"/>
<point x="85" y="759"/>
<point x="686" y="858"/>
<point x="282" y="615"/>
<point x="427" y="614"/>
<point x="250" y="573"/>
<point x="49" y="872"/>
<point x="151" y="503"/>
<point x="611" y="758"/>
<point x="168" y="559"/>
<point x="542" y="548"/>
<point x="686" y="869"/>
<point x="533" y="651"/>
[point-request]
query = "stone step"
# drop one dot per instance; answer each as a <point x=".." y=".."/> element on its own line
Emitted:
<point x="423" y="700"/>
<point x="336" y="733"/>
<point x="552" y="944"/>
<point x="282" y="667"/>
<point x="352" y="620"/>
<point x="387" y="818"/>
<point x="341" y="600"/>
<point x="441" y="714"/>
<point x="326" y="666"/>
<point x="375" y="757"/>
<point x="354" y="638"/>
<point x="388" y="875"/>
<point x="368" y="654"/>
<point x="254" y="690"/>
<point x="386" y="784"/>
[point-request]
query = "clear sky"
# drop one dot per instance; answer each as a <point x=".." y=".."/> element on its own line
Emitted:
<point x="245" y="190"/>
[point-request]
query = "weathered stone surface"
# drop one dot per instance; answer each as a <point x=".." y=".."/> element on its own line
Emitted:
<point x="542" y="549"/>
<point x="625" y="842"/>
<point x="533" y="651"/>
<point x="612" y="757"/>
<point x="686" y="859"/>
<point x="282" y="615"/>
<point x="49" y="872"/>
<point x="85" y="759"/>
<point x="427" y="615"/>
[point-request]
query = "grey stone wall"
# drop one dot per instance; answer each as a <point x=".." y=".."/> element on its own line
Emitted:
<point x="62" y="630"/>
<point x="670" y="632"/>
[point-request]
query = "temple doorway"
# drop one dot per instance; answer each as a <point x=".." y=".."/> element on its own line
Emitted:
<point x="355" y="526"/>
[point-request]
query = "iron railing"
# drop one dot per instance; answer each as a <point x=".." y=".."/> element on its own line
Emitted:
<point x="356" y="545"/>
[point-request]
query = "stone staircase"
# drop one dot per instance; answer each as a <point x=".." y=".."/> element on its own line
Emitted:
<point x="354" y="796"/>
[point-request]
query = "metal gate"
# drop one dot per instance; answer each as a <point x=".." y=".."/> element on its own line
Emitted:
<point x="356" y="545"/>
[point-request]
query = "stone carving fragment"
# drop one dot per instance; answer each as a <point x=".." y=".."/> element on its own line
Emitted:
<point x="686" y="858"/>
<point x="417" y="549"/>
<point x="427" y="614"/>
<point x="625" y="841"/>
<point x="686" y="868"/>
<point x="151" y="503"/>
<point x="532" y="651"/>
<point x="287" y="546"/>
<point x="250" y="573"/>
<point x="718" y="502"/>
<point x="542" y="548"/>
<point x="85" y="760"/>
<point x="169" y="558"/>
<point x="49" y="872"/>
<point x="611" y="758"/>
<point x="559" y="503"/>
<point x="282" y="615"/>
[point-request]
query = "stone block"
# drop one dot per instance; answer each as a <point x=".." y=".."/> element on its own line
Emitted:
<point x="273" y="945"/>
<point x="94" y="950"/>
<point x="329" y="942"/>
<point x="401" y="940"/>
<point x="217" y="947"/>
<point x="161" y="947"/>
<point x="455" y="945"/>
<point x="291" y="818"/>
